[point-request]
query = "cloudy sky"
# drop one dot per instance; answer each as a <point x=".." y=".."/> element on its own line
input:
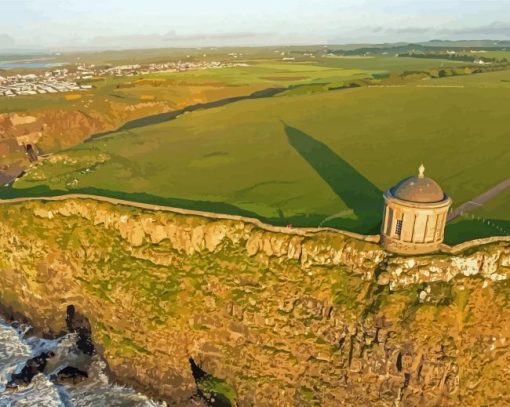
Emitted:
<point x="59" y="24"/>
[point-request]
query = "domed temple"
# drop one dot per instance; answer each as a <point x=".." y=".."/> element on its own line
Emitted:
<point x="415" y="213"/>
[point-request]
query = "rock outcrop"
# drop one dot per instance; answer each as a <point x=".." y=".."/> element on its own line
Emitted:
<point x="287" y="319"/>
<point x="52" y="129"/>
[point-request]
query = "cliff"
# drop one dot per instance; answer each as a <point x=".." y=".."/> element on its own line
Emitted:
<point x="283" y="316"/>
<point x="53" y="129"/>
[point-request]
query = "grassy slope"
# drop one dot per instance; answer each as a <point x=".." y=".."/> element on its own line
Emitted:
<point x="288" y="159"/>
<point x="176" y="90"/>
<point x="69" y="118"/>
<point x="179" y="89"/>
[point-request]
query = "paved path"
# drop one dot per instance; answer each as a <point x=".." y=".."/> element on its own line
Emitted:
<point x="479" y="200"/>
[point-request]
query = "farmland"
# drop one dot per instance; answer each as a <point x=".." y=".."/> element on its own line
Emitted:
<point x="303" y="159"/>
<point x="59" y="121"/>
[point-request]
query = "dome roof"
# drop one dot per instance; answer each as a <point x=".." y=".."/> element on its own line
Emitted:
<point x="418" y="189"/>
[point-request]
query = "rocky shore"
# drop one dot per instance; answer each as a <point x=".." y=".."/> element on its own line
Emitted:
<point x="56" y="373"/>
<point x="268" y="317"/>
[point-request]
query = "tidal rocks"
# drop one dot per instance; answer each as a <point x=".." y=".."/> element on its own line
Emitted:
<point x="79" y="324"/>
<point x="33" y="367"/>
<point x="70" y="375"/>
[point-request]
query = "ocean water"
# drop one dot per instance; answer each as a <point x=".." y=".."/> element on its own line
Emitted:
<point x="16" y="348"/>
<point x="27" y="65"/>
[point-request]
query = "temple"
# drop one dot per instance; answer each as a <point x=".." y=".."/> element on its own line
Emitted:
<point x="415" y="213"/>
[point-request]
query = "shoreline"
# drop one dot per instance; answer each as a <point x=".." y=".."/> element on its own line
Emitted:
<point x="11" y="317"/>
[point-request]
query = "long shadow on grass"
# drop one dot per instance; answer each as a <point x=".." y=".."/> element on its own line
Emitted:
<point x="168" y="116"/>
<point x="300" y="220"/>
<point x="207" y="206"/>
<point x="356" y="191"/>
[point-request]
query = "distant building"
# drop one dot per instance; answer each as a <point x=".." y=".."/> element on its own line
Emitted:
<point x="415" y="215"/>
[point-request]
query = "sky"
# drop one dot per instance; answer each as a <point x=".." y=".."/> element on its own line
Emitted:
<point x="81" y="24"/>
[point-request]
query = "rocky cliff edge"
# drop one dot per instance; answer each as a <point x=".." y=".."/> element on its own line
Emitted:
<point x="286" y="318"/>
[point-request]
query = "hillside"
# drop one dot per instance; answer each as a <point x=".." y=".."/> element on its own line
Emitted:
<point x="304" y="159"/>
<point x="275" y="317"/>
<point x="53" y="122"/>
<point x="58" y="121"/>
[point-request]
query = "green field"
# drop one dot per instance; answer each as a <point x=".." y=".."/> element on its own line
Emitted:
<point x="71" y="117"/>
<point x="492" y="219"/>
<point x="179" y="89"/>
<point x="264" y="69"/>
<point x="307" y="160"/>
<point x="389" y="63"/>
<point x="186" y="54"/>
<point x="499" y="55"/>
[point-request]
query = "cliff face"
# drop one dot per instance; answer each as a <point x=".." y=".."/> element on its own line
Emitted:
<point x="284" y="318"/>
<point x="53" y="129"/>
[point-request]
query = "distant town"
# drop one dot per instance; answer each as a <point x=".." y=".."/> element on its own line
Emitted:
<point x="74" y="78"/>
<point x="55" y="81"/>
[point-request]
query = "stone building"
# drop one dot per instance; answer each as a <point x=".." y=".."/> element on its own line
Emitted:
<point x="415" y="213"/>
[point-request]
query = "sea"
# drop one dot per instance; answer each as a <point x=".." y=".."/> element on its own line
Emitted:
<point x="17" y="347"/>
<point x="27" y="65"/>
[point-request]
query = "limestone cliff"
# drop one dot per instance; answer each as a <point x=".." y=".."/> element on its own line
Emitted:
<point x="286" y="318"/>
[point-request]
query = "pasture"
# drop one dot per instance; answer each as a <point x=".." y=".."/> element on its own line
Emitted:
<point x="175" y="90"/>
<point x="306" y="160"/>
<point x="389" y="63"/>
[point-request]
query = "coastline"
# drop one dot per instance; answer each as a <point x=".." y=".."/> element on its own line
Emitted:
<point x="162" y="287"/>
<point x="12" y="317"/>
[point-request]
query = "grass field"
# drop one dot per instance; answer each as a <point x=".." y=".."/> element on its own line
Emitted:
<point x="176" y="90"/>
<point x="492" y="219"/>
<point x="69" y="118"/>
<point x="266" y="69"/>
<point x="189" y="54"/>
<point x="389" y="63"/>
<point x="498" y="55"/>
<point x="308" y="160"/>
<point x="179" y="89"/>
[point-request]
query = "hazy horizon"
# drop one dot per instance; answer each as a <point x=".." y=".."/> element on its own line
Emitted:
<point x="72" y="24"/>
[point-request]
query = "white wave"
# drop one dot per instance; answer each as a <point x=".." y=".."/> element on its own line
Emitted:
<point x="97" y="389"/>
<point x="41" y="393"/>
<point x="16" y="349"/>
<point x="13" y="352"/>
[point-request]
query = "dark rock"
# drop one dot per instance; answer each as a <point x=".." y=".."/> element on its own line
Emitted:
<point x="79" y="324"/>
<point x="70" y="375"/>
<point x="33" y="367"/>
<point x="211" y="398"/>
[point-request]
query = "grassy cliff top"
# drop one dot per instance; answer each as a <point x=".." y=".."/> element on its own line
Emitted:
<point x="305" y="159"/>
